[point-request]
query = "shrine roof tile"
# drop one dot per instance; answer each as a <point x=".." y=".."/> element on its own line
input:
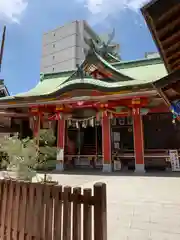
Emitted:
<point x="148" y="72"/>
<point x="137" y="62"/>
<point x="45" y="87"/>
<point x="138" y="73"/>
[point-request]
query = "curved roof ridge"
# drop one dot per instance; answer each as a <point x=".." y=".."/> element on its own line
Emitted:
<point x="112" y="67"/>
<point x="115" y="58"/>
<point x="149" y="61"/>
<point x="37" y="91"/>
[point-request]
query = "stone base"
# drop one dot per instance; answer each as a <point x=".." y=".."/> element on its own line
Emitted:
<point x="60" y="166"/>
<point x="139" y="168"/>
<point x="107" y="168"/>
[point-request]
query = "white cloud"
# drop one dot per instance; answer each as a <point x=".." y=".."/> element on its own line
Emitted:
<point x="101" y="9"/>
<point x="11" y="10"/>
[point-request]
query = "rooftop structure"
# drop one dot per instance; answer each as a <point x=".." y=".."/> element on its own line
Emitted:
<point x="66" y="47"/>
<point x="125" y="76"/>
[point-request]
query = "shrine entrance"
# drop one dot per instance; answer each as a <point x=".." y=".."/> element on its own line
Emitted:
<point x="122" y="142"/>
<point x="83" y="144"/>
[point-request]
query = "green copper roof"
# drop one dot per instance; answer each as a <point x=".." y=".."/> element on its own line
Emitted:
<point x="137" y="62"/>
<point x="97" y="82"/>
<point x="48" y="87"/>
<point x="45" y="87"/>
<point x="150" y="72"/>
<point x="135" y="75"/>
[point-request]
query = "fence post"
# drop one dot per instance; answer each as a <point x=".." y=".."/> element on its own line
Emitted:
<point x="100" y="212"/>
<point x="58" y="192"/>
<point x="87" y="215"/>
<point x="10" y="210"/>
<point x="4" y="208"/>
<point x="67" y="213"/>
<point x="76" y="214"/>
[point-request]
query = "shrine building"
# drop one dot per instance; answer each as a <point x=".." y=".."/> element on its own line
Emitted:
<point x="109" y="111"/>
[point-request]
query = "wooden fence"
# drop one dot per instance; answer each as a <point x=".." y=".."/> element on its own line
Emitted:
<point x="46" y="212"/>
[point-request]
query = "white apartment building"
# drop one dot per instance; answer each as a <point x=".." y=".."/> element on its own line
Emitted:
<point x="66" y="46"/>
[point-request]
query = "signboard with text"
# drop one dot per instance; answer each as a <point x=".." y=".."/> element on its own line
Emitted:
<point x="174" y="159"/>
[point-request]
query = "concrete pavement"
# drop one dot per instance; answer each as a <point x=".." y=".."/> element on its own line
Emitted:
<point x="139" y="207"/>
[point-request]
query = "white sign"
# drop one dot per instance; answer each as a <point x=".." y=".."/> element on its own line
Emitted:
<point x="116" y="145"/>
<point x="174" y="158"/>
<point x="117" y="165"/>
<point x="116" y="136"/>
<point x="60" y="154"/>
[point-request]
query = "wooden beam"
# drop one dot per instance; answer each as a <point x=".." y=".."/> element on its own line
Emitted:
<point x="171" y="39"/>
<point x="163" y="20"/>
<point x="172" y="49"/>
<point x="159" y="109"/>
<point x="174" y="57"/>
<point x="175" y="64"/>
<point x="155" y="36"/>
<point x="13" y="114"/>
<point x="166" y="16"/>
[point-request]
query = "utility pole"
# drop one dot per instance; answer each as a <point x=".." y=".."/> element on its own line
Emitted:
<point x="2" y="46"/>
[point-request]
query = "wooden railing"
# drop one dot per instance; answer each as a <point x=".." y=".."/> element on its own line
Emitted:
<point x="46" y="212"/>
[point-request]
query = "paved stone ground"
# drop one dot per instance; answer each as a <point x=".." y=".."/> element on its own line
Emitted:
<point x="139" y="207"/>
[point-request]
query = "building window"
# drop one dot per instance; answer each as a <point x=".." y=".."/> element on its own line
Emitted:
<point x="54" y="45"/>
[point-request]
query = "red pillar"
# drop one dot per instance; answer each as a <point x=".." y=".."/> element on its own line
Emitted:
<point x="138" y="140"/>
<point x="106" y="143"/>
<point x="60" y="144"/>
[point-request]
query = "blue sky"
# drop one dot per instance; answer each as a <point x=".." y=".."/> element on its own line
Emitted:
<point x="27" y="20"/>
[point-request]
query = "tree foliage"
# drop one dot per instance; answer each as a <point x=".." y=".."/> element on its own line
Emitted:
<point x="22" y="156"/>
<point x="47" y="151"/>
<point x="46" y="137"/>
